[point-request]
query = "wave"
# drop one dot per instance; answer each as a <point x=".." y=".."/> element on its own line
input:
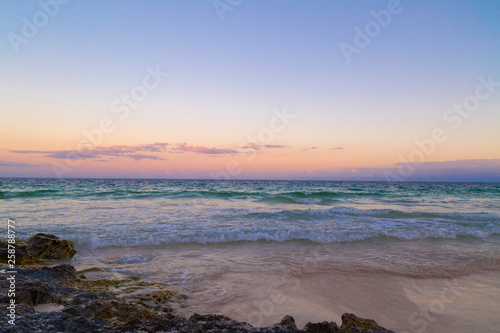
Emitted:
<point x="25" y="194"/>
<point x="279" y="236"/>
<point x="298" y="197"/>
<point x="339" y="211"/>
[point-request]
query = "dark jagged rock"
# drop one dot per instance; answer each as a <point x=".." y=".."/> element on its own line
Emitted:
<point x="82" y="298"/>
<point x="56" y="322"/>
<point x="20" y="244"/>
<point x="47" y="246"/>
<point x="288" y="321"/>
<point x="352" y="323"/>
<point x="217" y="323"/>
<point x="324" y="327"/>
<point x="109" y="308"/>
<point x="166" y="323"/>
<point x="22" y="257"/>
<point x="57" y="273"/>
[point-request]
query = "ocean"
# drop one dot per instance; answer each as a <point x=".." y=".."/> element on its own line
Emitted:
<point x="257" y="250"/>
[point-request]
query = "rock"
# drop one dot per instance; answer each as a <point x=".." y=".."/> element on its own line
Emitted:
<point x="116" y="311"/>
<point x="47" y="246"/>
<point x="286" y="325"/>
<point x="324" y="327"/>
<point x="20" y="244"/>
<point x="52" y="322"/>
<point x="156" y="324"/>
<point x="39" y="285"/>
<point x="352" y="323"/>
<point x="21" y="256"/>
<point x="287" y="321"/>
<point x="217" y="323"/>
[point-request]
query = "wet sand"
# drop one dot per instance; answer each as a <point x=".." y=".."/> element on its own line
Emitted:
<point x="404" y="304"/>
<point x="261" y="282"/>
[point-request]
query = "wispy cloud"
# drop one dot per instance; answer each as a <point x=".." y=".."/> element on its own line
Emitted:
<point x="147" y="151"/>
<point x="309" y="148"/>
<point x="473" y="163"/>
<point x="275" y="146"/>
<point x="16" y="164"/>
<point x="459" y="170"/>
<point x="251" y="145"/>
<point x="184" y="148"/>
<point x="100" y="152"/>
<point x="138" y="157"/>
<point x="141" y="152"/>
<point x="336" y="148"/>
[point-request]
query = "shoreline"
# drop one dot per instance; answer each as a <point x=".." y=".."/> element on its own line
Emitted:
<point x="259" y="282"/>
<point x="55" y="298"/>
<point x="400" y="302"/>
<point x="51" y="297"/>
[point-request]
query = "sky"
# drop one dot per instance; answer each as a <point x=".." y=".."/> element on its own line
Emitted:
<point x="239" y="89"/>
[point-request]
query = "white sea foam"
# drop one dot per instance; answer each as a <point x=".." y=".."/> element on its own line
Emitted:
<point x="222" y="292"/>
<point x="318" y="236"/>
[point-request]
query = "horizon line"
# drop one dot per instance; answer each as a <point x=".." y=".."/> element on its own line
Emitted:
<point x="260" y="179"/>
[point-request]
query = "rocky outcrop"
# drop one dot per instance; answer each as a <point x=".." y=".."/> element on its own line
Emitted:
<point x="350" y="322"/>
<point x="22" y="257"/>
<point x="117" y="301"/>
<point x="39" y="247"/>
<point x="324" y="327"/>
<point x="216" y="323"/>
<point x="47" y="246"/>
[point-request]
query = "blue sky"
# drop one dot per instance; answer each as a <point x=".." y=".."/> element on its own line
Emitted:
<point x="225" y="78"/>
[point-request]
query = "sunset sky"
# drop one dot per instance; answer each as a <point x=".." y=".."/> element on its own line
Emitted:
<point x="362" y="90"/>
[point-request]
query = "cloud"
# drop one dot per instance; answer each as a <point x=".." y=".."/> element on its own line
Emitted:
<point x="337" y="148"/>
<point x="184" y="148"/>
<point x="16" y="164"/>
<point x="143" y="157"/>
<point x="141" y="152"/>
<point x="153" y="147"/>
<point x="473" y="163"/>
<point x="28" y="151"/>
<point x="251" y="145"/>
<point x="275" y="146"/>
<point x="458" y="170"/>
<point x="474" y="170"/>
<point x="309" y="148"/>
<point x="100" y="152"/>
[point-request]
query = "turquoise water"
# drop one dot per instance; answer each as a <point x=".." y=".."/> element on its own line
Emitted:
<point x="418" y="229"/>
<point x="123" y="212"/>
